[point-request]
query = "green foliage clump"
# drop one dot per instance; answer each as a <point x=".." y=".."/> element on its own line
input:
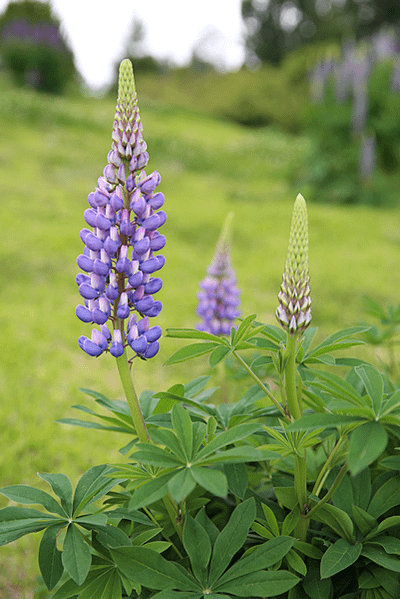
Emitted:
<point x="32" y="47"/>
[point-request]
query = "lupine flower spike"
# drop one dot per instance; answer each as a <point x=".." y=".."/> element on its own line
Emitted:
<point x="120" y="255"/>
<point x="219" y="298"/>
<point x="294" y="312"/>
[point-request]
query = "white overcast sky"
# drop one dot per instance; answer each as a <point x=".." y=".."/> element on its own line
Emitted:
<point x="97" y="30"/>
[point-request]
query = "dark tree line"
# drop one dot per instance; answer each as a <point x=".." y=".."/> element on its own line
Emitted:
<point x="276" y="27"/>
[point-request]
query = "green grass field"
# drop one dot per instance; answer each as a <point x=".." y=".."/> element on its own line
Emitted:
<point x="51" y="154"/>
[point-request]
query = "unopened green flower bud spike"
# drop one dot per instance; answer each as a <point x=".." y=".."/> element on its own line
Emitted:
<point x="294" y="311"/>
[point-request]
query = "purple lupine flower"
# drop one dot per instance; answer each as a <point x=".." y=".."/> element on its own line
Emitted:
<point x="119" y="258"/>
<point x="367" y="162"/>
<point x="219" y="298"/>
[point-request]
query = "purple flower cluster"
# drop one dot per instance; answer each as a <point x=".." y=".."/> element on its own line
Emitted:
<point x="219" y="298"/>
<point x="120" y="257"/>
<point x="41" y="33"/>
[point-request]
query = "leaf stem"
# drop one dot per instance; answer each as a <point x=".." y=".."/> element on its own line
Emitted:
<point x="261" y="384"/>
<point x="331" y="491"/>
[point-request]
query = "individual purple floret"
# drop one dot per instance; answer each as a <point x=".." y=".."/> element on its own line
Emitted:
<point x="219" y="298"/>
<point x="120" y="256"/>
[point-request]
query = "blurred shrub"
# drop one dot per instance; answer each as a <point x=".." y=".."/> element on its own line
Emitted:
<point x="354" y="121"/>
<point x="252" y="98"/>
<point x="32" y="47"/>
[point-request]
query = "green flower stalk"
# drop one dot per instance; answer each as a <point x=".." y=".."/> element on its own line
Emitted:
<point x="294" y="312"/>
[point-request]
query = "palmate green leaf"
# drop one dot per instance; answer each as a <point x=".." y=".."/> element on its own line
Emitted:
<point x="326" y="349"/>
<point x="114" y="424"/>
<point x="76" y="557"/>
<point x="111" y="536"/>
<point x="338" y="557"/>
<point x="308" y="549"/>
<point x="391" y="403"/>
<point x="337" y="519"/>
<point x="362" y="488"/>
<point x="340" y="336"/>
<point x="363" y="520"/>
<point x="163" y="395"/>
<point x="390" y="582"/>
<point x="312" y="421"/>
<point x="231" y="538"/>
<point x="183" y="428"/>
<point x="296" y="563"/>
<point x="156" y="456"/>
<point x="271" y="331"/>
<point x="337" y="387"/>
<point x="15" y="522"/>
<point x="259" y="584"/>
<point x="373" y="382"/>
<point x="185" y="595"/>
<point x="102" y="583"/>
<point x="219" y="354"/>
<point x="291" y="520"/>
<point x="62" y="487"/>
<point x="208" y="525"/>
<point x="50" y="563"/>
<point x="244" y="327"/>
<point x="379" y="556"/>
<point x="286" y="496"/>
<point x="92" y="485"/>
<point x="390" y="544"/>
<point x="152" y="570"/>
<point x="107" y="585"/>
<point x="195" y="386"/>
<point x="262" y="557"/>
<point x="392" y="462"/>
<point x="211" y="480"/>
<point x="384" y="525"/>
<point x="313" y="585"/>
<point x="182" y="484"/>
<point x="236" y="433"/>
<point x="386" y="497"/>
<point x="29" y="495"/>
<point x="87" y="424"/>
<point x="182" y="333"/>
<point x="163" y="436"/>
<point x="367" y="443"/>
<point x="198" y="547"/>
<point x="150" y="491"/>
<point x="191" y="351"/>
<point x="270" y="519"/>
<point x="238" y="480"/>
<point x="236" y="455"/>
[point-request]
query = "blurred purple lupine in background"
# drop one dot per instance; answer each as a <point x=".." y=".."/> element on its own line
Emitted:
<point x="219" y="298"/>
<point x="355" y="96"/>
<point x="34" y="49"/>
<point x="120" y="255"/>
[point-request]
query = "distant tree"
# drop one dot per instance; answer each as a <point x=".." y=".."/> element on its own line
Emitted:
<point x="276" y="27"/>
<point x="33" y="48"/>
<point x="135" y="50"/>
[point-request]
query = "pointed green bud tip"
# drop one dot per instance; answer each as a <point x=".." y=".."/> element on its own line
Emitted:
<point x="126" y="81"/>
<point x="294" y="312"/>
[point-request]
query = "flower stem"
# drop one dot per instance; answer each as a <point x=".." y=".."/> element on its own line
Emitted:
<point x="132" y="398"/>
<point x="295" y="411"/>
<point x="290" y="379"/>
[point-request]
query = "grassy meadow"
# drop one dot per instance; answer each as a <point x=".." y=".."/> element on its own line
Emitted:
<point x="51" y="154"/>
